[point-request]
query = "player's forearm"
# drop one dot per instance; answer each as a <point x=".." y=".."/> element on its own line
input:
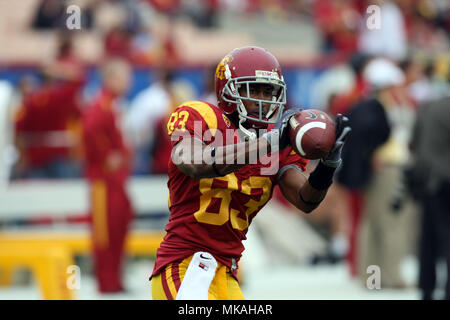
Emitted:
<point x="309" y="198"/>
<point x="315" y="189"/>
<point x="208" y="163"/>
<point x="233" y="157"/>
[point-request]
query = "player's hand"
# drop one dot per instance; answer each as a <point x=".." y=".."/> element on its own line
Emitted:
<point x="114" y="161"/>
<point x="281" y="129"/>
<point x="342" y="127"/>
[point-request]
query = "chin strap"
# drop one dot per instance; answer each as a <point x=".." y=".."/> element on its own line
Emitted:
<point x="248" y="135"/>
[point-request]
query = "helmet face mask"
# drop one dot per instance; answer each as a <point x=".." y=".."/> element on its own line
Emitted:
<point x="231" y="94"/>
<point x="241" y="71"/>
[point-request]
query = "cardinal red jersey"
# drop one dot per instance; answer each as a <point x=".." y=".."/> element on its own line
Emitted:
<point x="101" y="136"/>
<point x="213" y="214"/>
<point x="43" y="119"/>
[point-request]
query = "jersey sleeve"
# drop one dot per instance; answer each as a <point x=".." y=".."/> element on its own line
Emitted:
<point x="290" y="158"/>
<point x="193" y="119"/>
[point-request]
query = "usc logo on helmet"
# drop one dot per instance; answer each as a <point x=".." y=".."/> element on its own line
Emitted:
<point x="226" y="120"/>
<point x="220" y="71"/>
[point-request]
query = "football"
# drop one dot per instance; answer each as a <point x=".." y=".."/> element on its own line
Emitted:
<point x="312" y="133"/>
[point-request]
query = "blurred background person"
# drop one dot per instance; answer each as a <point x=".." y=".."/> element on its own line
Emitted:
<point x="417" y="88"/>
<point x="430" y="182"/>
<point x="108" y="166"/>
<point x="49" y="15"/>
<point x="12" y="99"/>
<point x="388" y="38"/>
<point x="381" y="129"/>
<point x="344" y="101"/>
<point x="144" y="112"/>
<point x="47" y="123"/>
<point x="338" y="21"/>
<point x="338" y="90"/>
<point x="160" y="151"/>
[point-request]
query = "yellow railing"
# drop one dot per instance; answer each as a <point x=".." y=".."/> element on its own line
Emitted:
<point x="48" y="256"/>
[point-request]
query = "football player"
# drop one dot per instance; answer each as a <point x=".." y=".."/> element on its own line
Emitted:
<point x="213" y="201"/>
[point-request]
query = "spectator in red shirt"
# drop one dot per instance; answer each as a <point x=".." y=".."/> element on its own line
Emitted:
<point x="342" y="103"/>
<point x="339" y="22"/>
<point x="108" y="164"/>
<point x="42" y="124"/>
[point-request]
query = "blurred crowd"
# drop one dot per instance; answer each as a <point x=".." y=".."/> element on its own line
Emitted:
<point x="156" y="31"/>
<point x="140" y="32"/>
<point x="388" y="78"/>
<point x="390" y="198"/>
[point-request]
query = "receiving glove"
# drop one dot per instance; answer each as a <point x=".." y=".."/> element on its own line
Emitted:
<point x="281" y="130"/>
<point x="342" y="127"/>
